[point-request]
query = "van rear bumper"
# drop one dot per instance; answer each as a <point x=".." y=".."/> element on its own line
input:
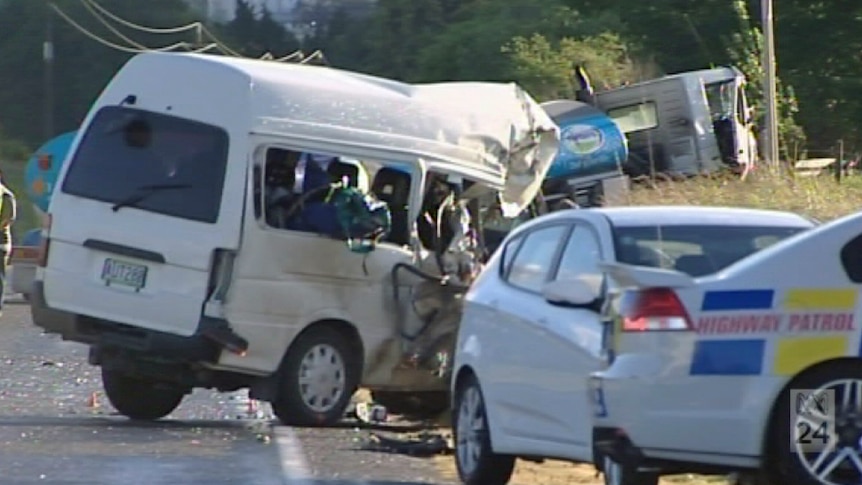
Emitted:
<point x="100" y="333"/>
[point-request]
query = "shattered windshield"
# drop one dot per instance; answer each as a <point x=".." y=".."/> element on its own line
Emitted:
<point x="720" y="97"/>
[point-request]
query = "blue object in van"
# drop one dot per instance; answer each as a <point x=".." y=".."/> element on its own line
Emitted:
<point x="590" y="142"/>
<point x="43" y="168"/>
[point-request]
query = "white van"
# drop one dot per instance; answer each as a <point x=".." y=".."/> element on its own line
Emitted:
<point x="163" y="253"/>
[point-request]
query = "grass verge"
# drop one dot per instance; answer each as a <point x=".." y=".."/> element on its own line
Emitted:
<point x="820" y="197"/>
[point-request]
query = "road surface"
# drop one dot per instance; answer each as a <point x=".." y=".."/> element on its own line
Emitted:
<point x="56" y="427"/>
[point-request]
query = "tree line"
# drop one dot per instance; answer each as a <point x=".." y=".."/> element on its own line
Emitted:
<point x="533" y="42"/>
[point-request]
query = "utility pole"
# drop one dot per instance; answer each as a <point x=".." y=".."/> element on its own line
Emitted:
<point x="48" y="59"/>
<point x="769" y="89"/>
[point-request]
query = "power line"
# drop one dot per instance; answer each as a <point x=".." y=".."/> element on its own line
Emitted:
<point x="297" y="56"/>
<point x="142" y="28"/>
<point x="109" y="27"/>
<point x="107" y="43"/>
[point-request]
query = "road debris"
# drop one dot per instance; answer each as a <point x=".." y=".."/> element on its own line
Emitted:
<point x="424" y="444"/>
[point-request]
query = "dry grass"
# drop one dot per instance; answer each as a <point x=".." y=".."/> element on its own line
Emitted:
<point x="820" y="197"/>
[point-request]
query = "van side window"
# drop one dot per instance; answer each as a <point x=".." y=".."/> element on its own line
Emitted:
<point x="636" y="117"/>
<point x="278" y="186"/>
<point x="161" y="163"/>
<point x="532" y="265"/>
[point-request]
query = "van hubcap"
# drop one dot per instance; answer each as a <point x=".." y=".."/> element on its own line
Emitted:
<point x="827" y="436"/>
<point x="321" y="378"/>
<point x="471" y="430"/>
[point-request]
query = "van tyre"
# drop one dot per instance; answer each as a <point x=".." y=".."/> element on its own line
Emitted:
<point x="140" y="399"/>
<point x="475" y="460"/>
<point x="618" y="474"/>
<point x="787" y="464"/>
<point x="318" y="377"/>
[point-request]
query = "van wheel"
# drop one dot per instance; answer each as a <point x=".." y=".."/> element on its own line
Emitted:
<point x="617" y="474"/>
<point x="821" y="445"/>
<point x="318" y="377"/>
<point x="413" y="405"/>
<point x="475" y="459"/>
<point x="140" y="399"/>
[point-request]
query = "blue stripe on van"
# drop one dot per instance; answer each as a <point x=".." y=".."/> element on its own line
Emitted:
<point x="737" y="300"/>
<point x="728" y="357"/>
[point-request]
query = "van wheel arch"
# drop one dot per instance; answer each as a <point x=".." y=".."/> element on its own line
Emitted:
<point x="347" y="330"/>
<point x="767" y="450"/>
<point x="289" y="400"/>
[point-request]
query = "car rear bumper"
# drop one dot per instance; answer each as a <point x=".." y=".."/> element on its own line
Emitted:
<point x="628" y="428"/>
<point x="199" y="347"/>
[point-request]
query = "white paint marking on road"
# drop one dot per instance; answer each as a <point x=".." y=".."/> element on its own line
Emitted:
<point x="293" y="462"/>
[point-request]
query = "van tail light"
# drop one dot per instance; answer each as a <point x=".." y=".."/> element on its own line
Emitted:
<point x="653" y="309"/>
<point x="45" y="243"/>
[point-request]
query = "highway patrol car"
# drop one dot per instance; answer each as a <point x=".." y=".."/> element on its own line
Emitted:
<point x="755" y="369"/>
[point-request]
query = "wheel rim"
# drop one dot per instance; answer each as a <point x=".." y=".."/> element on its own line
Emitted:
<point x="470" y="429"/>
<point x="321" y="378"/>
<point x="839" y="462"/>
<point x="613" y="472"/>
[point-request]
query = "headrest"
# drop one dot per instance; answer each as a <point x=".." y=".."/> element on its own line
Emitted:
<point x="694" y="265"/>
<point x="391" y="184"/>
<point x="338" y="170"/>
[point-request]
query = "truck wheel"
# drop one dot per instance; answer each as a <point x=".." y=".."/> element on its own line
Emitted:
<point x="140" y="399"/>
<point x="617" y="474"/>
<point x="318" y="377"/>
<point x="804" y="453"/>
<point x="413" y="405"/>
<point x="475" y="459"/>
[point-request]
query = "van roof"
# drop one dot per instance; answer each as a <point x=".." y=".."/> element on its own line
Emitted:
<point x="477" y="129"/>
<point x="707" y="76"/>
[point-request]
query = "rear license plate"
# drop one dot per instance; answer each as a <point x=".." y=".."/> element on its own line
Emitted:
<point x="116" y="272"/>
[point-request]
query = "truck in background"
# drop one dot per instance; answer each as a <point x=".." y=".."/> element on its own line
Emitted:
<point x="684" y="124"/>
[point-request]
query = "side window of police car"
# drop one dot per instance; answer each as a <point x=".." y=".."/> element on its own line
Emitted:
<point x="581" y="256"/>
<point x="532" y="264"/>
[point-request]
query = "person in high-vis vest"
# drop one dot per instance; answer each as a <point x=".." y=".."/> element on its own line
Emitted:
<point x="8" y="213"/>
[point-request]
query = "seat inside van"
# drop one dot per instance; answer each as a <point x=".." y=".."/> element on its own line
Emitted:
<point x="393" y="187"/>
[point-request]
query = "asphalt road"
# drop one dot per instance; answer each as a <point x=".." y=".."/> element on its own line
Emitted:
<point x="56" y="427"/>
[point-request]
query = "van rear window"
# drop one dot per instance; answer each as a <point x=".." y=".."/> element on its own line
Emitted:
<point x="151" y="161"/>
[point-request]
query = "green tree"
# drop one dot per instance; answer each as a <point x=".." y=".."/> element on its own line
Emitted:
<point x="546" y="70"/>
<point x="745" y="49"/>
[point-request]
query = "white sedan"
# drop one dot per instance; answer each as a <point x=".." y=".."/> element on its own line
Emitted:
<point x="532" y="328"/>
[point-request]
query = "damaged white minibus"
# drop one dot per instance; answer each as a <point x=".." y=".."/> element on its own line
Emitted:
<point x="296" y="230"/>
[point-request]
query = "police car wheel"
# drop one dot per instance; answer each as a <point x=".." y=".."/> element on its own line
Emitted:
<point x="618" y="474"/>
<point x="476" y="462"/>
<point x="318" y="377"/>
<point x="811" y="451"/>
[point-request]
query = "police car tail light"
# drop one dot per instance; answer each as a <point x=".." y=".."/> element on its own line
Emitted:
<point x="653" y="309"/>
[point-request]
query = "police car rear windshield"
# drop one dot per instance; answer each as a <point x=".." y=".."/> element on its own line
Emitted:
<point x="697" y="250"/>
<point x="126" y="150"/>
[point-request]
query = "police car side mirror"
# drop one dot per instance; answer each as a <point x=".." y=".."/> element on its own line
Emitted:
<point x="572" y="293"/>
